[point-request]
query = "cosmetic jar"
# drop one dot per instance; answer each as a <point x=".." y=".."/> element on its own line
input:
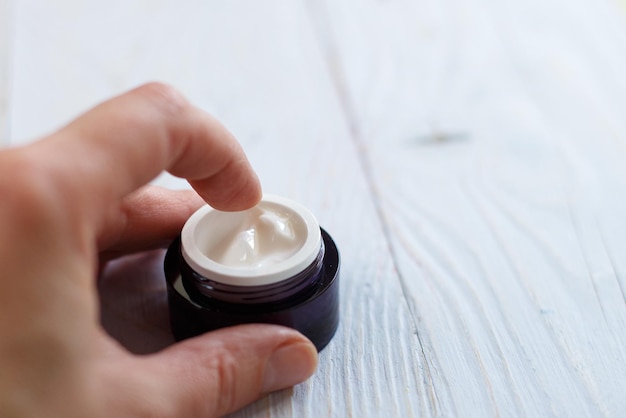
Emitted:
<point x="268" y="264"/>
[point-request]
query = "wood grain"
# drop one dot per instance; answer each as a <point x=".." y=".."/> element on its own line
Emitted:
<point x="494" y="132"/>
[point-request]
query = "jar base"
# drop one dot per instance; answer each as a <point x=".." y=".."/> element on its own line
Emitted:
<point x="317" y="317"/>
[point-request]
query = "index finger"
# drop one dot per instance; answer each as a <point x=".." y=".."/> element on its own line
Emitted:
<point x="127" y="141"/>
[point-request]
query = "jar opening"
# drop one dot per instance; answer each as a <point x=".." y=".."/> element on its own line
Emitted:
<point x="269" y="243"/>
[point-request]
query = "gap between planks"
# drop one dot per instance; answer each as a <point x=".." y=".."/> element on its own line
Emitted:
<point x="320" y="21"/>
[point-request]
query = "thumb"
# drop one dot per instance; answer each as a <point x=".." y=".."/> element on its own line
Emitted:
<point x="224" y="370"/>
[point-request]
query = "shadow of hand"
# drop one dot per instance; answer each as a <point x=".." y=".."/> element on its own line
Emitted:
<point x="133" y="302"/>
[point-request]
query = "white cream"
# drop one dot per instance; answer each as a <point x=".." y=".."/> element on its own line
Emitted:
<point x="271" y="242"/>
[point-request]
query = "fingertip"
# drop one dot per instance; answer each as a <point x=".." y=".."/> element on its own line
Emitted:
<point x="239" y="191"/>
<point x="246" y="197"/>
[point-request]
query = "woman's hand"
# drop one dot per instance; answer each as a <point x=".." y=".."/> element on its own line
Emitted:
<point x="74" y="199"/>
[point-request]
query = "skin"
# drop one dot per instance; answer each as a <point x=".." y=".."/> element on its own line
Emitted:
<point x="76" y="199"/>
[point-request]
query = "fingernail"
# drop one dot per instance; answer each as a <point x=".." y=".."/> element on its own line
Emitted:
<point x="289" y="365"/>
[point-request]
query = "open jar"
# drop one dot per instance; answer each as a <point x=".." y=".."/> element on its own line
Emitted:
<point x="268" y="264"/>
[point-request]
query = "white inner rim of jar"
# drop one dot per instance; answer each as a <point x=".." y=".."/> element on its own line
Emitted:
<point x="271" y="242"/>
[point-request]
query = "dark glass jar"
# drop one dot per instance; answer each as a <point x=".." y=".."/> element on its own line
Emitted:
<point x="271" y="264"/>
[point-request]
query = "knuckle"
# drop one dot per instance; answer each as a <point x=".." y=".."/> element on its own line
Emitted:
<point x="224" y="366"/>
<point x="164" y="96"/>
<point x="25" y="189"/>
<point x="35" y="195"/>
<point x="217" y="369"/>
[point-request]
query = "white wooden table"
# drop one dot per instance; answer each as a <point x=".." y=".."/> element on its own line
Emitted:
<point x="469" y="158"/>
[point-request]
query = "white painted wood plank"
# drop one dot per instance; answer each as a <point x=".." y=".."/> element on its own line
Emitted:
<point x="494" y="132"/>
<point x="259" y="68"/>
<point x="5" y="59"/>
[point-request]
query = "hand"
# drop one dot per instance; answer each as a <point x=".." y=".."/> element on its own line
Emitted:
<point x="73" y="199"/>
